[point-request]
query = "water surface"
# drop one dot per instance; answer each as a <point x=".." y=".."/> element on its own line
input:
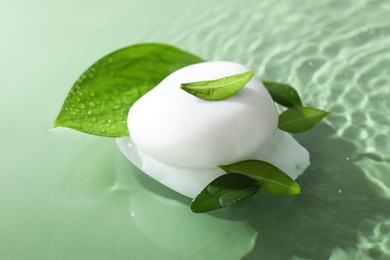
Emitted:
<point x="71" y="196"/>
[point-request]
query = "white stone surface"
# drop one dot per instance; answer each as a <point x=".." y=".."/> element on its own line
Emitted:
<point x="171" y="125"/>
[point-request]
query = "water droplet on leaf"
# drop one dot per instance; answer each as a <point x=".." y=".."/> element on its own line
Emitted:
<point x="212" y="189"/>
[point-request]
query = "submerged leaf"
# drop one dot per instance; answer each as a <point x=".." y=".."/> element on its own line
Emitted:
<point x="300" y="119"/>
<point x="218" y="89"/>
<point x="99" y="101"/>
<point x="271" y="179"/>
<point x="224" y="191"/>
<point x="283" y="94"/>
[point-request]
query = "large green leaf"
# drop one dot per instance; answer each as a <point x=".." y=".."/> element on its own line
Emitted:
<point x="99" y="101"/>
<point x="271" y="179"/>
<point x="300" y="119"/>
<point x="283" y="94"/>
<point x="224" y="191"/>
<point x="218" y="89"/>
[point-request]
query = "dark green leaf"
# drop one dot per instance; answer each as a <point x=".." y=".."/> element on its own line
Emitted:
<point x="224" y="191"/>
<point x="283" y="94"/>
<point x="99" y="101"/>
<point x="300" y="119"/>
<point x="271" y="179"/>
<point x="218" y="89"/>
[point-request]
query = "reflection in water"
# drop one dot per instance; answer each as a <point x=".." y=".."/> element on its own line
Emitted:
<point x="165" y="218"/>
<point x="339" y="64"/>
<point x="336" y="214"/>
<point x="173" y="227"/>
<point x="337" y="203"/>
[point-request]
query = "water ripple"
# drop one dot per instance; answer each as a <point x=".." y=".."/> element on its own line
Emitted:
<point x="336" y="54"/>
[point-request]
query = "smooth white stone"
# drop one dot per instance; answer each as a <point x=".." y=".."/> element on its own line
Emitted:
<point x="171" y="125"/>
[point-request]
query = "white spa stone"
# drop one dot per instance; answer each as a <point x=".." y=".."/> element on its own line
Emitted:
<point x="179" y="139"/>
<point x="174" y="126"/>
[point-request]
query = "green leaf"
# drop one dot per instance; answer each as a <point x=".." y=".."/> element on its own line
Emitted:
<point x="224" y="191"/>
<point x="218" y="89"/>
<point x="283" y="94"/>
<point x="99" y="101"/>
<point x="271" y="179"/>
<point x="300" y="119"/>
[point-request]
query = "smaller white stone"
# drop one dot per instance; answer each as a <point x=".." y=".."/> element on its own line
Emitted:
<point x="282" y="150"/>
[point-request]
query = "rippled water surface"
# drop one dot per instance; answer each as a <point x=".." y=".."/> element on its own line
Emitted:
<point x="72" y="196"/>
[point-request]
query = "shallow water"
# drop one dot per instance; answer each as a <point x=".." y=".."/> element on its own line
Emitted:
<point x="71" y="196"/>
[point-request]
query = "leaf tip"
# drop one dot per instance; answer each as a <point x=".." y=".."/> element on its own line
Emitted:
<point x="324" y="113"/>
<point x="55" y="123"/>
<point x="184" y="87"/>
<point x="194" y="209"/>
<point x="250" y="74"/>
<point x="223" y="167"/>
<point x="195" y="206"/>
<point x="295" y="189"/>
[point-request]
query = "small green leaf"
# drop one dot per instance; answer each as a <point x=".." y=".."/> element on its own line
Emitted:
<point x="271" y="179"/>
<point x="99" y="101"/>
<point x="283" y="94"/>
<point x="300" y="119"/>
<point x="218" y="89"/>
<point x="224" y="191"/>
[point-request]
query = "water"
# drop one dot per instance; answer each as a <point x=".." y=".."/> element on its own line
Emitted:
<point x="72" y="196"/>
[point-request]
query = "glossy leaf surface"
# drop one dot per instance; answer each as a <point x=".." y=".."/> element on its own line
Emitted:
<point x="224" y="191"/>
<point x="218" y="89"/>
<point x="300" y="119"/>
<point x="283" y="94"/>
<point x="99" y="101"/>
<point x="271" y="179"/>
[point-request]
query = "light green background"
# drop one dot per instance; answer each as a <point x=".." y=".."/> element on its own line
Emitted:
<point x="71" y="196"/>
